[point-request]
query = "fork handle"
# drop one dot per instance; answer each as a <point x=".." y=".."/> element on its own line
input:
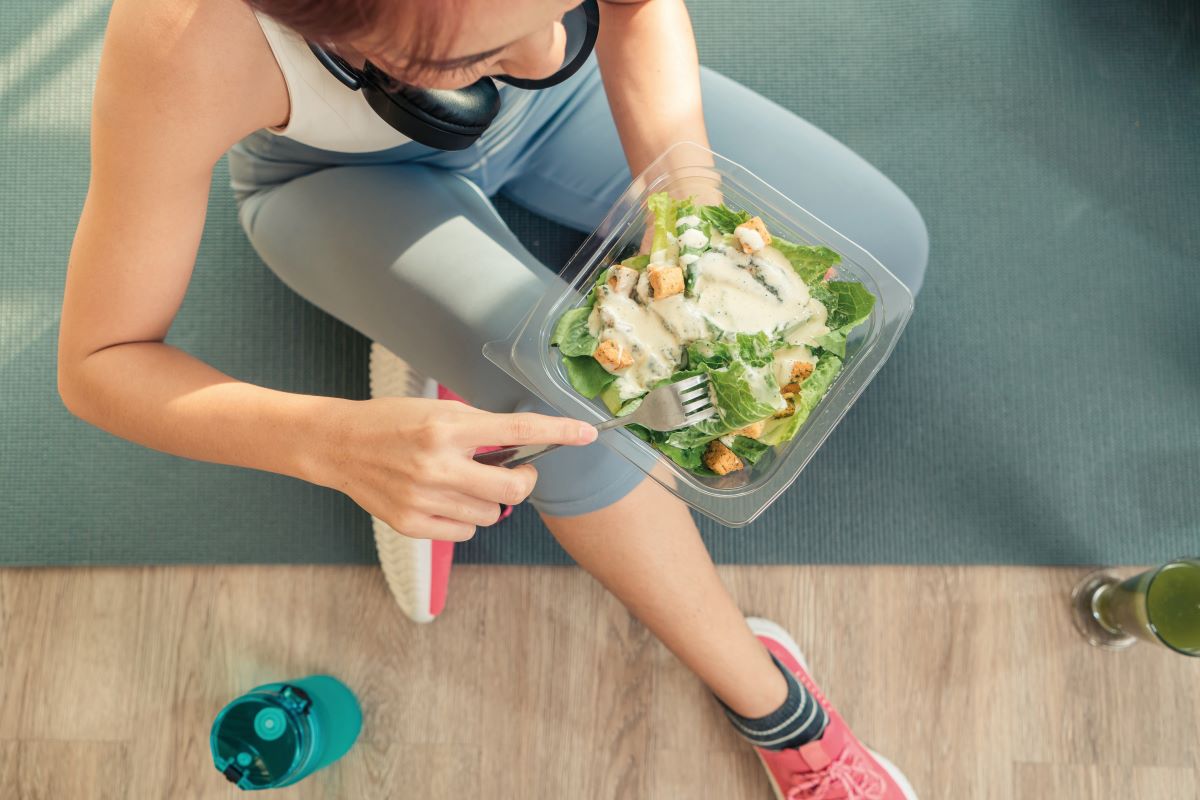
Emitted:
<point x="517" y="455"/>
<point x="615" y="422"/>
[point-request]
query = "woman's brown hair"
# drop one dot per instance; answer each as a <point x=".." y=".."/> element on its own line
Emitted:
<point x="337" y="23"/>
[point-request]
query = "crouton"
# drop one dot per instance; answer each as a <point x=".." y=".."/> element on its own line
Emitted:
<point x="787" y="410"/>
<point x="612" y="356"/>
<point x="621" y="280"/>
<point x="665" y="281"/>
<point x="800" y="372"/>
<point x="752" y="235"/>
<point x="753" y="431"/>
<point x="720" y="459"/>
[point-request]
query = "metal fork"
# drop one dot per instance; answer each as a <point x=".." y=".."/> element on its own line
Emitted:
<point x="675" y="405"/>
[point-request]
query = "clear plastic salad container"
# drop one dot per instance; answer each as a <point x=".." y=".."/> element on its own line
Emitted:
<point x="688" y="169"/>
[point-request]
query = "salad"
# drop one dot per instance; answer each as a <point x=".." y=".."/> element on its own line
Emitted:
<point x="717" y="294"/>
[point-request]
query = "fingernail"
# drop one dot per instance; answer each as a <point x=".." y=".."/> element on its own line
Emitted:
<point x="587" y="433"/>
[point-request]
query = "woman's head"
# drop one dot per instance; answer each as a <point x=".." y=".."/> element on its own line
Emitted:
<point x="438" y="44"/>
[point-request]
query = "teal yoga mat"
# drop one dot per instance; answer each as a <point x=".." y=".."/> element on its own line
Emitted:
<point x="1042" y="408"/>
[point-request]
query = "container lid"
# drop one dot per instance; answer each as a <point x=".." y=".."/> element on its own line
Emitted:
<point x="738" y="498"/>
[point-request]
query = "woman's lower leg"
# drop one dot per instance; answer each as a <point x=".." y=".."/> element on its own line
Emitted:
<point x="646" y="550"/>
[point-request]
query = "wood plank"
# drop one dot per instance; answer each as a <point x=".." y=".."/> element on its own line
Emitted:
<point x="560" y="727"/>
<point x="55" y="770"/>
<point x="1113" y="779"/>
<point x="69" y="646"/>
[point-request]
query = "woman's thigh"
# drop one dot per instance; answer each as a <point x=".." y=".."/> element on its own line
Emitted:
<point x="575" y="169"/>
<point x="418" y="260"/>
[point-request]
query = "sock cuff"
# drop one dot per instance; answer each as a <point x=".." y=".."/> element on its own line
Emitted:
<point x="798" y="719"/>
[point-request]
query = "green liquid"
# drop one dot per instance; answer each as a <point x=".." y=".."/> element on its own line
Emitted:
<point x="1173" y="606"/>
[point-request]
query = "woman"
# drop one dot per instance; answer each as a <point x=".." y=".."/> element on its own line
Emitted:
<point x="399" y="240"/>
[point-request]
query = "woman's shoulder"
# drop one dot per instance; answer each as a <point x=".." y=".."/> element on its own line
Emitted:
<point x="204" y="65"/>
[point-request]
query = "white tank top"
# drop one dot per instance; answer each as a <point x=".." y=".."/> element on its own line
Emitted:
<point x="328" y="115"/>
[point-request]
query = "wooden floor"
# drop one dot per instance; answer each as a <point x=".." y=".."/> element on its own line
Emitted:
<point x="536" y="684"/>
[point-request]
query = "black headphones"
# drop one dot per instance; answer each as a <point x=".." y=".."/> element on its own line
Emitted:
<point x="452" y="119"/>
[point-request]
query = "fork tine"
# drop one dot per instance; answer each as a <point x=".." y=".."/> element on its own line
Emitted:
<point x="696" y="408"/>
<point x="690" y="383"/>
<point x="694" y="394"/>
<point x="699" y="416"/>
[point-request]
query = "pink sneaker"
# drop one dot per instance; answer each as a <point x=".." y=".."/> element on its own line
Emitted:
<point x="835" y="767"/>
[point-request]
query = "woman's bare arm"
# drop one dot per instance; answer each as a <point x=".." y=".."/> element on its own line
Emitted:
<point x="179" y="82"/>
<point x="647" y="57"/>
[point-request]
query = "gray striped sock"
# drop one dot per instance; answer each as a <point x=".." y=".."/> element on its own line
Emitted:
<point x="798" y="721"/>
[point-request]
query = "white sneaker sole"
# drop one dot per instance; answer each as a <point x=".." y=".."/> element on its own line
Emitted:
<point x="765" y="627"/>
<point x="407" y="563"/>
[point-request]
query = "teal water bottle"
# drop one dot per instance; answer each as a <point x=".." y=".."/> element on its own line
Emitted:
<point x="280" y="733"/>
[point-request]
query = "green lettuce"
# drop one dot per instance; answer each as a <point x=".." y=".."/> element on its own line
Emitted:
<point x="754" y="349"/>
<point x="811" y="392"/>
<point x="849" y="304"/>
<point x="663" y="208"/>
<point x="691" y="458"/>
<point x="811" y="262"/>
<point x="744" y="394"/>
<point x="586" y="375"/>
<point x="571" y="334"/>
<point x="747" y="449"/>
<point x="722" y="217"/>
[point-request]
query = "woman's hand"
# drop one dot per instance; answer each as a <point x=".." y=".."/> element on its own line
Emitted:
<point x="408" y="461"/>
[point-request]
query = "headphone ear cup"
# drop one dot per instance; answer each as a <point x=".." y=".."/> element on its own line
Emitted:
<point x="448" y="119"/>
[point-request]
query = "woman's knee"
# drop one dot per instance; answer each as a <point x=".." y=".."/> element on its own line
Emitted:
<point x="580" y="480"/>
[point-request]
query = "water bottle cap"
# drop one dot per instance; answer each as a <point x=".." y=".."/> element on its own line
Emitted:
<point x="270" y="724"/>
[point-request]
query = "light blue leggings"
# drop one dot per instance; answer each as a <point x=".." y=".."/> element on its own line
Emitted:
<point x="404" y="245"/>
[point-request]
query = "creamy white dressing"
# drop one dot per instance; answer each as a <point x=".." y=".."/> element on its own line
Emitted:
<point x="694" y="238"/>
<point x="757" y="298"/>
<point x="764" y="391"/>
<point x="654" y="334"/>
<point x="690" y="221"/>
<point x="788" y="358"/>
<point x="733" y="293"/>
<point x="749" y="237"/>
<point x="813" y="326"/>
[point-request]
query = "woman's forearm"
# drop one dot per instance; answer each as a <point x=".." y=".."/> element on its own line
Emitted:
<point x="651" y="74"/>
<point x="161" y="397"/>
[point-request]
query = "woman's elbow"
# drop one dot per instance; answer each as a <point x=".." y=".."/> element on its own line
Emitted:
<point x="70" y="389"/>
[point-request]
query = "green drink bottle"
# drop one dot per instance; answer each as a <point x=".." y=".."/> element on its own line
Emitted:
<point x="280" y="733"/>
<point x="1161" y="606"/>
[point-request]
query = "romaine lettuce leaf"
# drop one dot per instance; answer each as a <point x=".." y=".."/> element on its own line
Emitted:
<point x="722" y="217"/>
<point x="849" y="304"/>
<point x="639" y="262"/>
<point x="571" y="334"/>
<point x="699" y="434"/>
<point x="744" y="394"/>
<point x="586" y="375"/>
<point x="615" y="405"/>
<point x="663" y="208"/>
<point x="811" y="392"/>
<point x="811" y="262"/>
<point x="747" y="449"/>
<point x="691" y="459"/>
<point x="754" y="349"/>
